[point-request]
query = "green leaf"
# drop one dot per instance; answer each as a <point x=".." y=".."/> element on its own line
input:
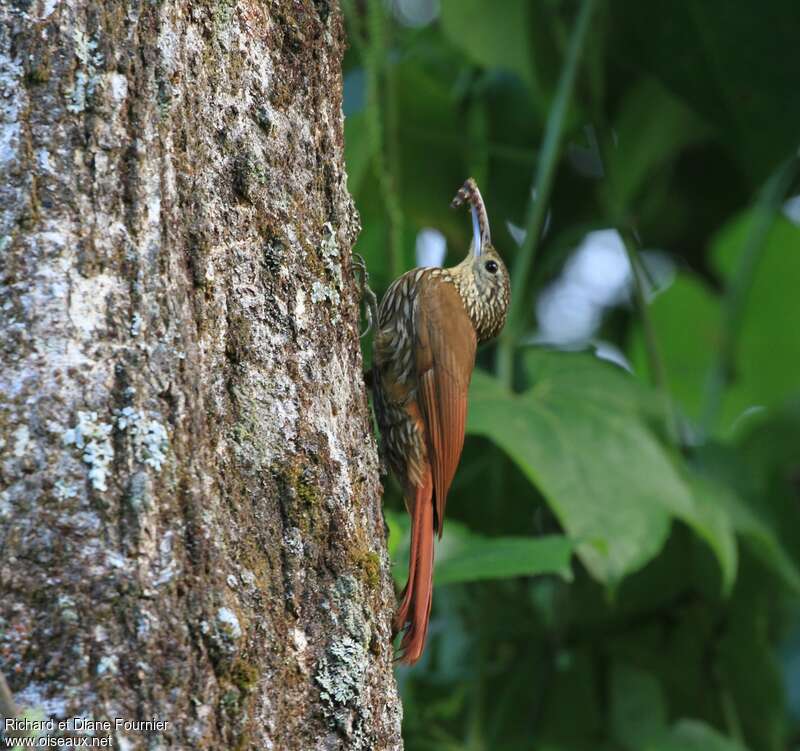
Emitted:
<point x="638" y="152"/>
<point x="601" y="471"/>
<point x="582" y="376"/>
<point x="577" y="436"/>
<point x="572" y="712"/>
<point x="491" y="39"/>
<point x="686" y="318"/>
<point x="726" y="474"/>
<point x="748" y="668"/>
<point x="768" y="454"/>
<point x="431" y="159"/>
<point x="767" y="371"/>
<point x="692" y="735"/>
<point x="731" y="63"/>
<point x="638" y="710"/>
<point x="711" y="519"/>
<point x="505" y="557"/>
<point x="762" y="539"/>
<point x="463" y="556"/>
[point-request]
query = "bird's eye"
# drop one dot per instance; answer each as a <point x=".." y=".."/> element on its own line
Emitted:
<point x="491" y="266"/>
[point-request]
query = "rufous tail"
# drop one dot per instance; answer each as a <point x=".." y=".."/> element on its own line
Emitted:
<point x="415" y="607"/>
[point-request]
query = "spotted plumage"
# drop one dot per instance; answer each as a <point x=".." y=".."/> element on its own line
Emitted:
<point x="430" y="322"/>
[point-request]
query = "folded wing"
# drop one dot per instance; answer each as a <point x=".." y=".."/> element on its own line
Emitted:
<point x="445" y="357"/>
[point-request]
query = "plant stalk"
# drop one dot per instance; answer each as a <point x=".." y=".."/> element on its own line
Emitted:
<point x="655" y="361"/>
<point x="540" y="194"/>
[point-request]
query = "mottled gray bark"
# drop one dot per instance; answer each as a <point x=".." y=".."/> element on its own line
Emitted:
<point x="190" y="523"/>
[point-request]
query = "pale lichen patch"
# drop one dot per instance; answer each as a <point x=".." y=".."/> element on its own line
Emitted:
<point x="92" y="437"/>
<point x="35" y="696"/>
<point x="342" y="671"/>
<point x="149" y="436"/>
<point x="229" y="623"/>
<point x="63" y="491"/>
<point x="321" y="292"/>
<point x="136" y="324"/>
<point x="85" y="80"/>
<point x="330" y="253"/>
<point x="88" y="301"/>
<point x="46" y="8"/>
<point x="341" y="678"/>
<point x="300" y="316"/>
<point x="108" y="664"/>
<point x="118" y="87"/>
<point x="22" y="438"/>
<point x="10" y="73"/>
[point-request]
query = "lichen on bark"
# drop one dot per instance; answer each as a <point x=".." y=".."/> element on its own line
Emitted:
<point x="190" y="522"/>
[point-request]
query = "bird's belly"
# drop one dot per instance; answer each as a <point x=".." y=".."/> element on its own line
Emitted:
<point x="402" y="431"/>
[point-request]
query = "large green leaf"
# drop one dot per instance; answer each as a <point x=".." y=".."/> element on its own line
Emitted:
<point x="747" y="666"/>
<point x="575" y="433"/>
<point x="601" y="472"/>
<point x="762" y="538"/>
<point x="581" y="376"/>
<point x="637" y="153"/>
<point x="728" y="476"/>
<point x="431" y="159"/>
<point x="504" y="557"/>
<point x="713" y="521"/>
<point x="769" y="456"/>
<point x="638" y="709"/>
<point x="692" y="735"/>
<point x="686" y="318"/>
<point x="463" y="556"/>
<point x="732" y="62"/>
<point x="767" y="369"/>
<point x="494" y="40"/>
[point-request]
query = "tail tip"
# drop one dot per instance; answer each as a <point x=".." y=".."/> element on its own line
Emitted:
<point x="411" y="647"/>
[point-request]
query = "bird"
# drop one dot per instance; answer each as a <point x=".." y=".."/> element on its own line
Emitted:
<point x="429" y="324"/>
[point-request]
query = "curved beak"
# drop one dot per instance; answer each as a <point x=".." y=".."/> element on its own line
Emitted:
<point x="477" y="241"/>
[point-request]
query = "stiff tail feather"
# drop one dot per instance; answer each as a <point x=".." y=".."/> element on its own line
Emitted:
<point x="415" y="607"/>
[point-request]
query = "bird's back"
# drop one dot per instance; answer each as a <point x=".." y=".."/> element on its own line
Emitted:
<point x="396" y="407"/>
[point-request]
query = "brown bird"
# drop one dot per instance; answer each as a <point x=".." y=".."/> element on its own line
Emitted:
<point x="429" y="324"/>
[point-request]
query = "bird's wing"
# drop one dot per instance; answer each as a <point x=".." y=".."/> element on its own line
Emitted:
<point x="445" y="356"/>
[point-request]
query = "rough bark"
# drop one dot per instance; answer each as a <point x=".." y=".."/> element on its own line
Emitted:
<point x="190" y="522"/>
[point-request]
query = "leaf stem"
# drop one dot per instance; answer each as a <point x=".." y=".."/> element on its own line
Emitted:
<point x="738" y="290"/>
<point x="655" y="361"/>
<point x="731" y="715"/>
<point x="540" y="195"/>
<point x="375" y="55"/>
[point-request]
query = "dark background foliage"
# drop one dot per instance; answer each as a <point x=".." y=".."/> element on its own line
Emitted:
<point x="621" y="560"/>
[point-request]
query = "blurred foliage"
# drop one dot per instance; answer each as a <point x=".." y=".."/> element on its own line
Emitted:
<point x="620" y="567"/>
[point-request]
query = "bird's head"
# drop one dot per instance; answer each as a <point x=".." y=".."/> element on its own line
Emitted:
<point x="482" y="276"/>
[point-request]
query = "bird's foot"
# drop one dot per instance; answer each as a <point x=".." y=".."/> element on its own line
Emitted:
<point x="366" y="294"/>
<point x="383" y="460"/>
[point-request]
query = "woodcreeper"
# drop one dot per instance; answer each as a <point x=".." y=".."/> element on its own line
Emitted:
<point x="430" y="322"/>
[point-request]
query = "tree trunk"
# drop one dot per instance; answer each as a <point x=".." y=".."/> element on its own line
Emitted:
<point x="190" y="521"/>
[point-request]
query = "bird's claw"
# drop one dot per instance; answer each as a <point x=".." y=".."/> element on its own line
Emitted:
<point x="366" y="294"/>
